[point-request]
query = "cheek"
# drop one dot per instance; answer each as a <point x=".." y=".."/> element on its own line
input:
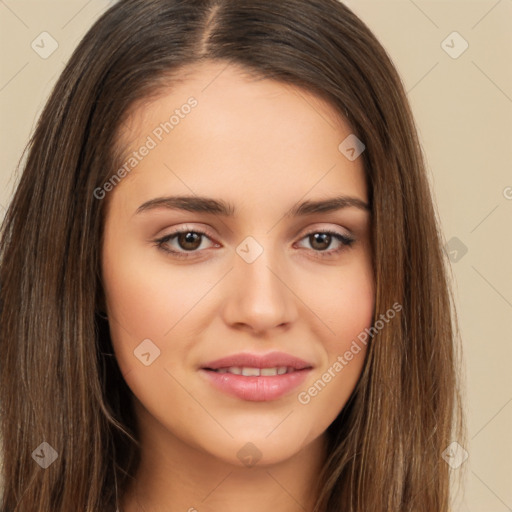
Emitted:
<point x="347" y="309"/>
<point x="136" y="299"/>
<point x="344" y="301"/>
<point x="150" y="299"/>
<point x="351" y="310"/>
<point x="355" y="309"/>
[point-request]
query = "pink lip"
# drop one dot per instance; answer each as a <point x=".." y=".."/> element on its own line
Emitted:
<point x="271" y="360"/>
<point x="262" y="388"/>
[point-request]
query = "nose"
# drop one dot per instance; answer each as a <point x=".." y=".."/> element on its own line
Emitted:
<point x="260" y="297"/>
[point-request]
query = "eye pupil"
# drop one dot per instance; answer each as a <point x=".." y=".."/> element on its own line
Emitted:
<point x="189" y="240"/>
<point x="323" y="238"/>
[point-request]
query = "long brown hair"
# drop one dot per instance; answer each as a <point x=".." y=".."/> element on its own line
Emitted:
<point x="59" y="381"/>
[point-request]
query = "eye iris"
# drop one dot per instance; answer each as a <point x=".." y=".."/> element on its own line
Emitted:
<point x="325" y="240"/>
<point x="185" y="239"/>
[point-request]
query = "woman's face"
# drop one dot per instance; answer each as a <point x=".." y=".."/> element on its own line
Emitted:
<point x="262" y="284"/>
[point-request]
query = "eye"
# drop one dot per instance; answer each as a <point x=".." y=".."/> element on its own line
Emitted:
<point x="321" y="240"/>
<point x="188" y="240"/>
<point x="191" y="241"/>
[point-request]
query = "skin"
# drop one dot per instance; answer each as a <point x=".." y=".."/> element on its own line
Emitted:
<point x="263" y="146"/>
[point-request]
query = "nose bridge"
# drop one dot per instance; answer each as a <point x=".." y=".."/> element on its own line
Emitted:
<point x="260" y="296"/>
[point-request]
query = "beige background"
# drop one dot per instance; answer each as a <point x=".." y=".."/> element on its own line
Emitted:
<point x="463" y="108"/>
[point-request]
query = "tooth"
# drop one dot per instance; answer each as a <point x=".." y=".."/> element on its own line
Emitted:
<point x="256" y="372"/>
<point x="249" y="372"/>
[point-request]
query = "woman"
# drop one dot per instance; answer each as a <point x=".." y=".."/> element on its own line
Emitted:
<point x="222" y="276"/>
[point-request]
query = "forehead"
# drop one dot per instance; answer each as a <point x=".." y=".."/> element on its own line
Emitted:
<point x="221" y="86"/>
<point x="245" y="135"/>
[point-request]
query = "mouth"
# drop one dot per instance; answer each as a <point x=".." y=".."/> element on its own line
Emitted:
<point x="257" y="378"/>
<point x="255" y="372"/>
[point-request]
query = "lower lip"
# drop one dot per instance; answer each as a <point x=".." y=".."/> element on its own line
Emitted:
<point x="256" y="389"/>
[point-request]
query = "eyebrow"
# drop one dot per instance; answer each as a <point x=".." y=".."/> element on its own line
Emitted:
<point x="220" y="207"/>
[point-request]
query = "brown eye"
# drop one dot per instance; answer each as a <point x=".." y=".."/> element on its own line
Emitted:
<point x="184" y="243"/>
<point x="320" y="241"/>
<point x="189" y="240"/>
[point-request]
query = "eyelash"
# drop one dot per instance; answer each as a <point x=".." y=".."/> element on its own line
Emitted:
<point x="345" y="240"/>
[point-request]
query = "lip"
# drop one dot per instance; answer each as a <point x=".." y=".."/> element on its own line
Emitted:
<point x="253" y="388"/>
<point x="269" y="360"/>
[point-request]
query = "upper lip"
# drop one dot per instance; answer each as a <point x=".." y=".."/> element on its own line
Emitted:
<point x="271" y="360"/>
